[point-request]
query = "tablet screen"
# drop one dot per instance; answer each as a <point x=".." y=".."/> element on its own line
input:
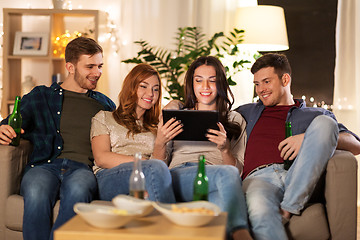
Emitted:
<point x="196" y="123"/>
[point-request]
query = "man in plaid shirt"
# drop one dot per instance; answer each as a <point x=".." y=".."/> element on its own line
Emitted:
<point x="57" y="121"/>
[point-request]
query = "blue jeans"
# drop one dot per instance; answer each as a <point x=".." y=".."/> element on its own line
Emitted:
<point x="271" y="188"/>
<point x="114" y="181"/>
<point x="43" y="185"/>
<point x="224" y="190"/>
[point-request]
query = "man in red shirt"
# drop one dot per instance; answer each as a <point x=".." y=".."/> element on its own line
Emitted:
<point x="273" y="194"/>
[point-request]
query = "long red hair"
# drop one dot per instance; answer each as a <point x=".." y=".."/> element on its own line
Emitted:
<point x="125" y="114"/>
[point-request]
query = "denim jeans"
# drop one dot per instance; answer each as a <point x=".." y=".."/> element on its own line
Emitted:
<point x="43" y="185"/>
<point x="114" y="181"/>
<point x="271" y="188"/>
<point x="224" y="190"/>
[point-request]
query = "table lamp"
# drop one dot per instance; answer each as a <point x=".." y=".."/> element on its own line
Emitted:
<point x="264" y="26"/>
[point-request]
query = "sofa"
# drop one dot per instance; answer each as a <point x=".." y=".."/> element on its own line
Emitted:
<point x="330" y="214"/>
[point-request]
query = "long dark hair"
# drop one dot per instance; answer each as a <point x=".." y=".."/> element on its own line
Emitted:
<point x="223" y="102"/>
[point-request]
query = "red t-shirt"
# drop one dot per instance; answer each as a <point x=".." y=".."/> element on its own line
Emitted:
<point x="268" y="132"/>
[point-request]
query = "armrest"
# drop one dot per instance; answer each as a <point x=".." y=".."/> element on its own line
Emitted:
<point x="12" y="163"/>
<point x="341" y="195"/>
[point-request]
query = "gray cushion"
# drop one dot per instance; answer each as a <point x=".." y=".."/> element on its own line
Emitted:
<point x="311" y="224"/>
<point x="15" y="211"/>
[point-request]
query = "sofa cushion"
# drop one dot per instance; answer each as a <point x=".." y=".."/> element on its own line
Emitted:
<point x="15" y="211"/>
<point x="311" y="224"/>
<point x="341" y="195"/>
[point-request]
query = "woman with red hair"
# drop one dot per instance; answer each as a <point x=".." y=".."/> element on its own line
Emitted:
<point x="131" y="128"/>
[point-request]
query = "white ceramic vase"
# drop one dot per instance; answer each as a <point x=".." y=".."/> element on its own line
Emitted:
<point x="58" y="4"/>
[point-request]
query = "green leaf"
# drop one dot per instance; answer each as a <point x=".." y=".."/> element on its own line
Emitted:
<point x="191" y="43"/>
<point x="132" y="60"/>
<point x="231" y="82"/>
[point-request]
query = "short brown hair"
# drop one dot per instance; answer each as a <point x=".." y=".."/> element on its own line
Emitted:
<point x="279" y="62"/>
<point x="81" y="46"/>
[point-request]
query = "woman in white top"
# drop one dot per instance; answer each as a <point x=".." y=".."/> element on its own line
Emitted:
<point x="131" y="128"/>
<point x="206" y="88"/>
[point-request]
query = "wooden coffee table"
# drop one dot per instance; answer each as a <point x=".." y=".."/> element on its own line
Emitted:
<point x="152" y="227"/>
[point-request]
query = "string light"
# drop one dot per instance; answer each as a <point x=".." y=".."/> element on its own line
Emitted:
<point x="343" y="104"/>
<point x="113" y="35"/>
<point x="68" y="5"/>
<point x="61" y="41"/>
<point x="321" y="104"/>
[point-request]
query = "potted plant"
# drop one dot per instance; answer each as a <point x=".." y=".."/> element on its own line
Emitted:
<point x="191" y="43"/>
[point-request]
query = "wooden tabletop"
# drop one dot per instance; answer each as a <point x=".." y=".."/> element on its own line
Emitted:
<point x="152" y="227"/>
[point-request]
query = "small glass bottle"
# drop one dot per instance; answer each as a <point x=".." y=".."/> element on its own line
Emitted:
<point x="137" y="179"/>
<point x="201" y="188"/>
<point x="15" y="121"/>
<point x="288" y="133"/>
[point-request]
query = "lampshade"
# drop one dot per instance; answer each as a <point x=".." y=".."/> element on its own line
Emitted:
<point x="265" y="28"/>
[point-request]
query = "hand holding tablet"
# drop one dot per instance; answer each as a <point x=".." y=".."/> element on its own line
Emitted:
<point x="195" y="123"/>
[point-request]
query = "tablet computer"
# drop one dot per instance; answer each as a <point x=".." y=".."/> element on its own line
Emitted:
<point x="196" y="123"/>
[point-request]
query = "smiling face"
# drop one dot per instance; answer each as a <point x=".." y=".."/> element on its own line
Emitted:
<point x="87" y="71"/>
<point x="272" y="90"/>
<point x="147" y="95"/>
<point x="204" y="83"/>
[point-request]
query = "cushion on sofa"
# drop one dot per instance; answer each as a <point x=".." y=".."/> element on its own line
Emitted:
<point x="303" y="227"/>
<point x="341" y="192"/>
<point x="15" y="211"/>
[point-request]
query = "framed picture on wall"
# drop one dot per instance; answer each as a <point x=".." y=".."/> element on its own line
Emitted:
<point x="31" y="43"/>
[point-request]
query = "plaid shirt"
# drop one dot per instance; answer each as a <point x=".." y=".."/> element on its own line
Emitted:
<point x="41" y="113"/>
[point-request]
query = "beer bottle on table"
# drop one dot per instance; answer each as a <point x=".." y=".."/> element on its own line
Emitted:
<point x="201" y="188"/>
<point x="137" y="179"/>
<point x="288" y="133"/>
<point x="15" y="121"/>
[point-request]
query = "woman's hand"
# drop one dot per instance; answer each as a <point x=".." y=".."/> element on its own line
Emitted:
<point x="174" y="104"/>
<point x="219" y="138"/>
<point x="168" y="131"/>
<point x="165" y="133"/>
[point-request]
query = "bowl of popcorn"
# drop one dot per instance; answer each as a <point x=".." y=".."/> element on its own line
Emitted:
<point x="189" y="214"/>
<point x="133" y="204"/>
<point x="104" y="216"/>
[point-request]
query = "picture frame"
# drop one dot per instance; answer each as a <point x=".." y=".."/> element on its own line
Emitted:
<point x="31" y="43"/>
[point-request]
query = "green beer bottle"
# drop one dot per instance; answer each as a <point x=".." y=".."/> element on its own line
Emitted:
<point x="288" y="133"/>
<point x="201" y="188"/>
<point x="15" y="121"/>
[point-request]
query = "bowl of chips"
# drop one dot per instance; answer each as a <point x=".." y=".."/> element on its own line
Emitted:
<point x="104" y="216"/>
<point x="145" y="207"/>
<point x="189" y="214"/>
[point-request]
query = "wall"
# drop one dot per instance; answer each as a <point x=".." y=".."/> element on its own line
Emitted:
<point x="153" y="20"/>
<point x="111" y="6"/>
<point x="311" y="32"/>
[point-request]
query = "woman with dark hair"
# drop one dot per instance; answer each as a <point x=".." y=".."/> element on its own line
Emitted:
<point x="206" y="88"/>
<point x="131" y="128"/>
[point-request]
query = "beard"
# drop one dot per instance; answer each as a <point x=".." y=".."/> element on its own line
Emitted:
<point x="84" y="82"/>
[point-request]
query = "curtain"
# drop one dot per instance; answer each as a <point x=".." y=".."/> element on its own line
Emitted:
<point x="157" y="21"/>
<point x="347" y="65"/>
<point x="347" y="68"/>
